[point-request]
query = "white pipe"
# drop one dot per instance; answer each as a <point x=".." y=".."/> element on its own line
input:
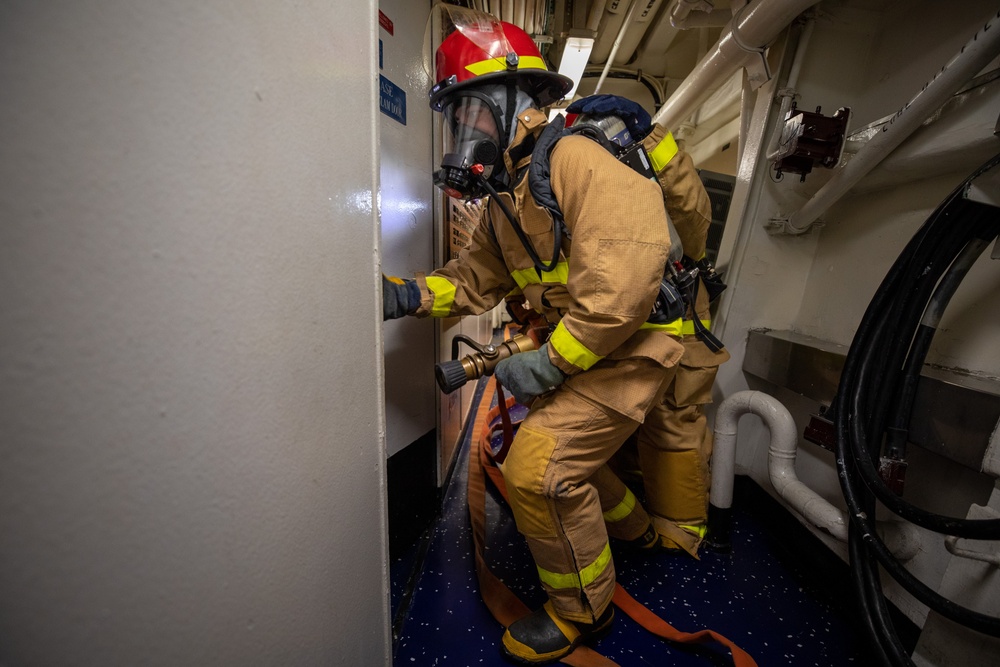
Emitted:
<point x="902" y="538"/>
<point x="747" y="103"/>
<point x="756" y="26"/>
<point x="974" y="56"/>
<point x="686" y="14"/>
<point x="596" y="12"/>
<point x="680" y="10"/>
<point x="951" y="544"/>
<point x="506" y="11"/>
<point x="788" y="93"/>
<point x="780" y="458"/>
<point x="618" y="42"/>
<point x="800" y="53"/>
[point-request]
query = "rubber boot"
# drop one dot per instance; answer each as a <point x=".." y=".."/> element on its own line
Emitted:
<point x="648" y="543"/>
<point x="543" y="636"/>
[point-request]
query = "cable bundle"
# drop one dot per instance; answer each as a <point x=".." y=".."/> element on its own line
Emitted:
<point x="875" y="398"/>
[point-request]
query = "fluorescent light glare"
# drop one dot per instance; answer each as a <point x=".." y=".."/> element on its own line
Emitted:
<point x="574" y="60"/>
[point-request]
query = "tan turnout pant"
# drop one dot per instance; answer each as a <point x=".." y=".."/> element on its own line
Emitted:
<point x="565" y="499"/>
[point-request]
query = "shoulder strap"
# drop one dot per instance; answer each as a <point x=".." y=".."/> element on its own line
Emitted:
<point x="540" y="170"/>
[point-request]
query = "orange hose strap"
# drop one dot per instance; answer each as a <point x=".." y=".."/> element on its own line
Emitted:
<point x="505" y="606"/>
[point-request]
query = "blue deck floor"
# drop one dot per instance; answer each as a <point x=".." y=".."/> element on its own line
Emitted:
<point x="780" y="610"/>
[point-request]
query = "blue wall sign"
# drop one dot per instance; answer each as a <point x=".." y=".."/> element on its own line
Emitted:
<point x="392" y="99"/>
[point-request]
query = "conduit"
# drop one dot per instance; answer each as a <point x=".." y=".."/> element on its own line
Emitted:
<point x="594" y="19"/>
<point x="618" y="42"/>
<point x="905" y="542"/>
<point x="788" y="93"/>
<point x="974" y="56"/>
<point x="686" y="14"/>
<point x="888" y="349"/>
<point x="749" y="31"/>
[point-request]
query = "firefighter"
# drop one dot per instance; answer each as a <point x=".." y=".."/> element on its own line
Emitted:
<point x="671" y="455"/>
<point x="674" y="454"/>
<point x="594" y="272"/>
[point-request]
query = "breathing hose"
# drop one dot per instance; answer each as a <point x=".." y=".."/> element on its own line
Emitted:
<point x="874" y="402"/>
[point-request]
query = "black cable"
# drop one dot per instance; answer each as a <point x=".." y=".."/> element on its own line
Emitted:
<point x="877" y="359"/>
<point x="898" y="429"/>
<point x="875" y="398"/>
<point x="873" y="608"/>
<point x="923" y="268"/>
<point x="856" y="494"/>
<point x="657" y="98"/>
<point x="872" y="402"/>
<point x="530" y="249"/>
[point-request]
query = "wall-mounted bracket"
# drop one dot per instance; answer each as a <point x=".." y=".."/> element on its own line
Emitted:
<point x="810" y="139"/>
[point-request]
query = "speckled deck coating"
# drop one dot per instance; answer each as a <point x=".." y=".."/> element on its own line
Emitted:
<point x="764" y="604"/>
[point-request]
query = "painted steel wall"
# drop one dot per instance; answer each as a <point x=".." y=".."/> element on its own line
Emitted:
<point x="191" y="426"/>
<point x="872" y="58"/>
<point x="407" y="218"/>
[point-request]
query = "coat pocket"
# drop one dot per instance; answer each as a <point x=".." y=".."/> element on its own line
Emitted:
<point x="696" y="374"/>
<point x="621" y="289"/>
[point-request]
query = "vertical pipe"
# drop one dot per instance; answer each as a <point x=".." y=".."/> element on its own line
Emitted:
<point x="618" y="42"/>
<point x="903" y="538"/>
<point x="596" y="12"/>
<point x="747" y="103"/>
<point x="788" y="93"/>
<point x="781" y="461"/>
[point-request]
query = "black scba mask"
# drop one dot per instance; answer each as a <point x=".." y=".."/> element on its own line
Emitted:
<point x="472" y="145"/>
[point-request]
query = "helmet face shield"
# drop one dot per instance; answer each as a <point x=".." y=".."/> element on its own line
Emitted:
<point x="468" y="122"/>
<point x="474" y="47"/>
<point x="472" y="145"/>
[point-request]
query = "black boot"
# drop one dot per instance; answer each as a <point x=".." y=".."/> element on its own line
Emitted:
<point x="543" y="636"/>
<point x="647" y="543"/>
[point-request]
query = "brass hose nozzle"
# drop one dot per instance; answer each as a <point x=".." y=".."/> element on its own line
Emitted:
<point x="453" y="374"/>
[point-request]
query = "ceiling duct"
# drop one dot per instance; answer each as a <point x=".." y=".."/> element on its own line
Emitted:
<point x="611" y="26"/>
<point x="529" y="15"/>
<point x="686" y="14"/>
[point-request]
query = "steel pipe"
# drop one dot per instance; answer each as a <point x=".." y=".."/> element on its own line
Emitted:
<point x="963" y="66"/>
<point x="753" y="28"/>
<point x="901" y="538"/>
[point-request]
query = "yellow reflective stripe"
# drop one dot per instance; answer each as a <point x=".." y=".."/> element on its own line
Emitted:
<point x="444" y="296"/>
<point x="688" y="328"/>
<point x="524" y="277"/>
<point x="663" y="153"/>
<point x="589" y="574"/>
<point x="555" y="580"/>
<point x="500" y="65"/>
<point x="698" y="530"/>
<point x="623" y="509"/>
<point x="572" y="350"/>
<point x="585" y="577"/>
<point x="673" y="328"/>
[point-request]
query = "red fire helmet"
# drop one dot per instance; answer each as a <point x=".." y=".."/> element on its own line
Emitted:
<point x="476" y="51"/>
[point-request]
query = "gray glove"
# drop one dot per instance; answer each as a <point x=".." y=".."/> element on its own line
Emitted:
<point x="399" y="297"/>
<point x="529" y="374"/>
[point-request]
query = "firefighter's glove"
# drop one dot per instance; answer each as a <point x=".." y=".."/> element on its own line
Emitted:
<point x="529" y="374"/>
<point x="399" y="297"/>
<point x="636" y="118"/>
